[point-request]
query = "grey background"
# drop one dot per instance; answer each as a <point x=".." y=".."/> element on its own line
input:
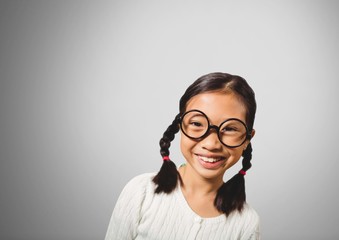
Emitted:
<point x="88" y="87"/>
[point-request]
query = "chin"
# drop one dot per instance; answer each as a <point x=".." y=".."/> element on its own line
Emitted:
<point x="211" y="174"/>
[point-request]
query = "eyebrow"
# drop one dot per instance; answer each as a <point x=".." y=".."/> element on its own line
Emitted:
<point x="197" y="114"/>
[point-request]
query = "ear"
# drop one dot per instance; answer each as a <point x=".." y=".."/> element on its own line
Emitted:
<point x="252" y="133"/>
<point x="177" y="118"/>
<point x="248" y="141"/>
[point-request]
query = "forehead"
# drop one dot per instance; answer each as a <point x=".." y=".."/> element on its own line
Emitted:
<point x="218" y="106"/>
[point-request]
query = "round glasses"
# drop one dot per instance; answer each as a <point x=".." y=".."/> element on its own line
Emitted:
<point x="232" y="132"/>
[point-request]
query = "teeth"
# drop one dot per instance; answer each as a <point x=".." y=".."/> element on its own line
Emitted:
<point x="211" y="160"/>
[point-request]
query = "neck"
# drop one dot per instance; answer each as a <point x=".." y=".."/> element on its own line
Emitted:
<point x="196" y="184"/>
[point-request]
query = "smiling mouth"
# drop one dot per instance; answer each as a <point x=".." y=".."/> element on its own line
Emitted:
<point x="211" y="160"/>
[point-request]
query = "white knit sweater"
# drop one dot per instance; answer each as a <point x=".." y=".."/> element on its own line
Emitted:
<point x="141" y="214"/>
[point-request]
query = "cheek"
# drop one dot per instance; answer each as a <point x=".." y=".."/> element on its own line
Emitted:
<point x="183" y="143"/>
<point x="186" y="144"/>
<point x="235" y="156"/>
<point x="238" y="153"/>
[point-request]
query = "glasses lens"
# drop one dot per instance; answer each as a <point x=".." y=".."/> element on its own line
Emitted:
<point x="233" y="133"/>
<point x="194" y="124"/>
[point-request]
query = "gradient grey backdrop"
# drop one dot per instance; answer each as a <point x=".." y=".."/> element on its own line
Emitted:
<point x="87" y="88"/>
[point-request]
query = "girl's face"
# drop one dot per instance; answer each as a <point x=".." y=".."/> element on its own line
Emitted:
<point x="208" y="157"/>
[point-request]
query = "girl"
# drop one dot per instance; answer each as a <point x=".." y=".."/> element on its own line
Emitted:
<point x="192" y="202"/>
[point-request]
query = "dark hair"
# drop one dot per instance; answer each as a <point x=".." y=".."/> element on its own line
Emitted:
<point x="231" y="195"/>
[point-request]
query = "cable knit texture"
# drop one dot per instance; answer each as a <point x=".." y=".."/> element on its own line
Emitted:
<point x="141" y="214"/>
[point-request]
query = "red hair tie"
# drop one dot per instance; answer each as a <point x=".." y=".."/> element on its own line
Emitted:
<point x="242" y="172"/>
<point x="165" y="158"/>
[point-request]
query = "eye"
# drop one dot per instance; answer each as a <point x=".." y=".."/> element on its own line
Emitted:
<point x="196" y="124"/>
<point x="229" y="129"/>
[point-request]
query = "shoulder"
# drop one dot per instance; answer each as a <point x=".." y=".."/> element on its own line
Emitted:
<point x="127" y="211"/>
<point x="247" y="219"/>
<point x="138" y="184"/>
<point x="250" y="222"/>
<point x="141" y="180"/>
<point x="250" y="213"/>
<point x="134" y="192"/>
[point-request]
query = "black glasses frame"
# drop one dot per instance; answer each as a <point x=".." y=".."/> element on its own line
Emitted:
<point x="217" y="128"/>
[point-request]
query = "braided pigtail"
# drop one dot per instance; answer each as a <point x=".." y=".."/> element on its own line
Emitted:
<point x="167" y="178"/>
<point x="231" y="195"/>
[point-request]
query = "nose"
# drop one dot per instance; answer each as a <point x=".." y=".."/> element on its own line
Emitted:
<point x="211" y="141"/>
